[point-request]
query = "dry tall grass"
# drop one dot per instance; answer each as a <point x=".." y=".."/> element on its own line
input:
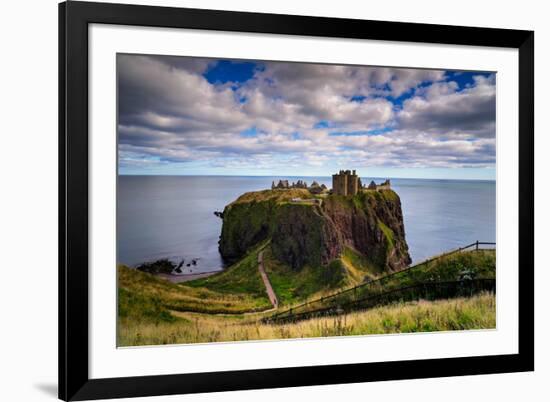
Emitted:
<point x="139" y="290"/>
<point x="477" y="312"/>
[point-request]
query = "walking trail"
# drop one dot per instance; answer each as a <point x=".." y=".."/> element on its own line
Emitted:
<point x="270" y="292"/>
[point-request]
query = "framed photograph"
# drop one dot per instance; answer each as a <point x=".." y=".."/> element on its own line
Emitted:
<point x="258" y="201"/>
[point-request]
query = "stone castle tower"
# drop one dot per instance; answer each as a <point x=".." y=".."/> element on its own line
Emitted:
<point x="345" y="183"/>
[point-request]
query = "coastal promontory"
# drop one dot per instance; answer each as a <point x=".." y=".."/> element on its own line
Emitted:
<point x="315" y="229"/>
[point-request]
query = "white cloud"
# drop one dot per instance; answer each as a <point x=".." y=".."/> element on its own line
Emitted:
<point x="169" y="113"/>
<point x="444" y="111"/>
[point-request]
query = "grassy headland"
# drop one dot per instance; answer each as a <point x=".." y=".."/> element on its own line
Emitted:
<point x="316" y="232"/>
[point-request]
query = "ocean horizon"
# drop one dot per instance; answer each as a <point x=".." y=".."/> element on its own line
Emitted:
<point x="300" y="177"/>
<point x="172" y="216"/>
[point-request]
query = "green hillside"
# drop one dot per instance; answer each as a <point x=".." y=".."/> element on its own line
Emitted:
<point x="462" y="266"/>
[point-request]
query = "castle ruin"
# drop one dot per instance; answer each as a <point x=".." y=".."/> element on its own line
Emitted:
<point x="284" y="185"/>
<point x="346" y="183"/>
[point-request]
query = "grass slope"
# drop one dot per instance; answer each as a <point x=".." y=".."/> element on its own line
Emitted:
<point x="242" y="277"/>
<point x="475" y="264"/>
<point x="477" y="312"/>
<point x="293" y="286"/>
<point x="275" y="195"/>
<point x="359" y="267"/>
<point x="144" y="297"/>
<point x="472" y="264"/>
<point x="154" y="311"/>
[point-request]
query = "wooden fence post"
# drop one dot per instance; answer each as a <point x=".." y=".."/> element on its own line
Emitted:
<point x="477" y="245"/>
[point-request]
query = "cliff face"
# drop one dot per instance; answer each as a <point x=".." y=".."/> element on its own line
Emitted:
<point x="371" y="223"/>
<point x="250" y="220"/>
<point x="303" y="235"/>
<point x="306" y="233"/>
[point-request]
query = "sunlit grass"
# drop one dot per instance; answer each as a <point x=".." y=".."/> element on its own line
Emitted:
<point x="294" y="287"/>
<point x="140" y="295"/>
<point x="477" y="312"/>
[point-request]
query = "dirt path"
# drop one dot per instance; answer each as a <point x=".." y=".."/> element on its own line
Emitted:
<point x="270" y="292"/>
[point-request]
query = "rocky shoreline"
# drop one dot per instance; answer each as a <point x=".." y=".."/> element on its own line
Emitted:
<point x="175" y="272"/>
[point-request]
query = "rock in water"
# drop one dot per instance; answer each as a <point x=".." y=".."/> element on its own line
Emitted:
<point x="162" y="266"/>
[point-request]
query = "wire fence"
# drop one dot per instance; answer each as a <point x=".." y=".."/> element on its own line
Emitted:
<point x="425" y="291"/>
<point x="374" y="290"/>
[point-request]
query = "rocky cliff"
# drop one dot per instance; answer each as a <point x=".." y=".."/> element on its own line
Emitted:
<point x="314" y="232"/>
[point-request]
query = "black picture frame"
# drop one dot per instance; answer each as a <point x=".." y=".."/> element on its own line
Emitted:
<point x="74" y="19"/>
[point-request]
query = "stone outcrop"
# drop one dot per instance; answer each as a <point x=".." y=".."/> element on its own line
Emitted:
<point x="386" y="185"/>
<point x="315" y="188"/>
<point x="371" y="223"/>
<point x="315" y="234"/>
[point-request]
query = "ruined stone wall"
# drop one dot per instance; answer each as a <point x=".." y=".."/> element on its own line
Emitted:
<point x="383" y="187"/>
<point x="352" y="184"/>
<point x="340" y="184"/>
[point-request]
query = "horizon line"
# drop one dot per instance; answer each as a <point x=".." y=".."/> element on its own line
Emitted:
<point x="300" y="176"/>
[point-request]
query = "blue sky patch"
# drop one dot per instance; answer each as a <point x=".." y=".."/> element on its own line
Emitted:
<point x="377" y="131"/>
<point x="250" y="132"/>
<point x="322" y="124"/>
<point x="464" y="79"/>
<point x="399" y="100"/>
<point x="231" y="71"/>
<point x="358" y="98"/>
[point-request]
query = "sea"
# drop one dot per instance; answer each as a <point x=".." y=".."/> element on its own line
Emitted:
<point x="173" y="216"/>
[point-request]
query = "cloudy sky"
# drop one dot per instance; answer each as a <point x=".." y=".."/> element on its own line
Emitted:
<point x="193" y="116"/>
